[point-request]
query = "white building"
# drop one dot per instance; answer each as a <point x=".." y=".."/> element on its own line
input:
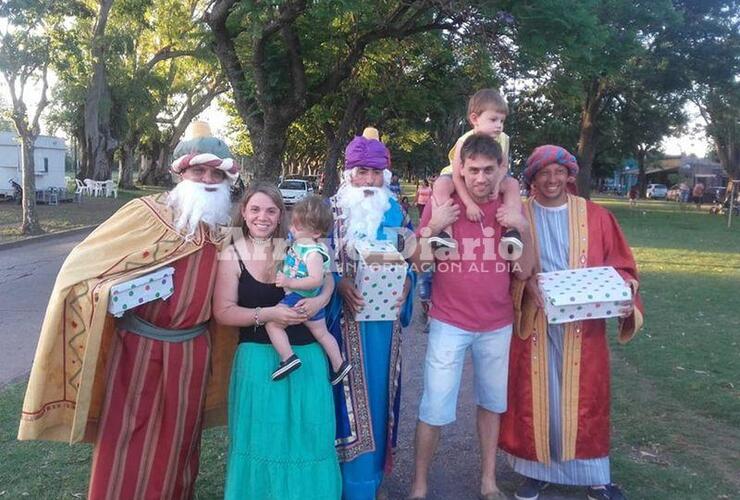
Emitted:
<point x="48" y="154"/>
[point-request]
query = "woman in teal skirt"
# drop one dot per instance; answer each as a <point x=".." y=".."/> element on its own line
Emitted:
<point x="281" y="432"/>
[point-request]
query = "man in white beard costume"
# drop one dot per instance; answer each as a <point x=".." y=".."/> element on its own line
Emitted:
<point x="367" y="402"/>
<point x="140" y="387"/>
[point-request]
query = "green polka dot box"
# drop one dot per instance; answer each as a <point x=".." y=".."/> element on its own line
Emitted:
<point x="133" y="293"/>
<point x="381" y="273"/>
<point x="587" y="293"/>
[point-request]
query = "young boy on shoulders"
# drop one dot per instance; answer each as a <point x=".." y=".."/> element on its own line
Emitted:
<point x="487" y="111"/>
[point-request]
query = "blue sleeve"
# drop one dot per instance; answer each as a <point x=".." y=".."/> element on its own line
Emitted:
<point x="333" y="309"/>
<point x="407" y="309"/>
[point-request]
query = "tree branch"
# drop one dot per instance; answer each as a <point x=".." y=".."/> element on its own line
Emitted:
<point x="342" y="71"/>
<point x="297" y="69"/>
<point x="288" y="13"/>
<point x="42" y="102"/>
<point x="165" y="54"/>
<point x="194" y="108"/>
<point x="226" y="53"/>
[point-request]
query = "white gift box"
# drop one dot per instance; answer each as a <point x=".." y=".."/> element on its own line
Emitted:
<point x="587" y="293"/>
<point x="133" y="293"/>
<point x="380" y="276"/>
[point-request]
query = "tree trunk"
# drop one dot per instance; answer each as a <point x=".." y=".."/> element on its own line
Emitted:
<point x="335" y="141"/>
<point x="154" y="171"/>
<point x="586" y="153"/>
<point x="587" y="137"/>
<point x="641" y="175"/>
<point x="157" y="172"/>
<point x="144" y="166"/>
<point x="268" y="141"/>
<point x="30" y="223"/>
<point x="126" y="167"/>
<point x="99" y="143"/>
<point x="331" y="172"/>
<point x="729" y="156"/>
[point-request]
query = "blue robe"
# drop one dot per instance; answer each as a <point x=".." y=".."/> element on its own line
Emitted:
<point x="368" y="401"/>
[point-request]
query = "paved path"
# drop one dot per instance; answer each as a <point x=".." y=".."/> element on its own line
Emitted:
<point x="455" y="471"/>
<point x="27" y="276"/>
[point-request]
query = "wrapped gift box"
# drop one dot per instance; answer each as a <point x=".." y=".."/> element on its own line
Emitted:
<point x="381" y="273"/>
<point x="138" y="291"/>
<point x="578" y="294"/>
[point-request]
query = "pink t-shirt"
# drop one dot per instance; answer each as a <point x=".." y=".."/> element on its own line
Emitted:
<point x="470" y="287"/>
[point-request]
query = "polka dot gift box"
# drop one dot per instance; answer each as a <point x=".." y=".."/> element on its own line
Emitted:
<point x="578" y="294"/>
<point x="381" y="272"/>
<point x="138" y="291"/>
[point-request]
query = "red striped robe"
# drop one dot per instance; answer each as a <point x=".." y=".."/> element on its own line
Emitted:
<point x="148" y="441"/>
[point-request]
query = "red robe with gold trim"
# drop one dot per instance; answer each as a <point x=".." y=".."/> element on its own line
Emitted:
<point x="67" y="384"/>
<point x="595" y="240"/>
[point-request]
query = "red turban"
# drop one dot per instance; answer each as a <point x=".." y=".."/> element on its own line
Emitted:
<point x="547" y="155"/>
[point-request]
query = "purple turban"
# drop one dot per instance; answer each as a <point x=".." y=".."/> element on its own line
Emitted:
<point x="369" y="153"/>
<point x="546" y="155"/>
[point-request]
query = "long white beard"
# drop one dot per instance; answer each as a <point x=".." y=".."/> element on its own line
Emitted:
<point x="192" y="204"/>
<point x="362" y="212"/>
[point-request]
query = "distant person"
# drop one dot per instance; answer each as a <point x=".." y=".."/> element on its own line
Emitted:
<point x="405" y="204"/>
<point x="395" y="186"/>
<point x="423" y="195"/>
<point x="633" y="196"/>
<point x="683" y="190"/>
<point x="17" y="191"/>
<point x="698" y="194"/>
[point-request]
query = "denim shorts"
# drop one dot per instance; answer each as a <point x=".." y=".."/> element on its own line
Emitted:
<point x="293" y="298"/>
<point x="443" y="368"/>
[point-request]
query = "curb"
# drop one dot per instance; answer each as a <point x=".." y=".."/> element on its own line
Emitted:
<point x="16" y="379"/>
<point x="43" y="237"/>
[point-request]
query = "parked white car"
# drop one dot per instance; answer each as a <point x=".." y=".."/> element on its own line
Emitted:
<point x="656" y="191"/>
<point x="294" y="190"/>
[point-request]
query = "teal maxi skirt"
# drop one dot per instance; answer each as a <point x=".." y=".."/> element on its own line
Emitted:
<point x="281" y="432"/>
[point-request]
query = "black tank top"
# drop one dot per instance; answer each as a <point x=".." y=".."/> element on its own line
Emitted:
<point x="253" y="293"/>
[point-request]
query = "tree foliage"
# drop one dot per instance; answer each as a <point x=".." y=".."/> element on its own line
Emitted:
<point x="604" y="78"/>
<point x="160" y="75"/>
<point x="280" y="65"/>
<point x="708" y="42"/>
<point x="29" y="42"/>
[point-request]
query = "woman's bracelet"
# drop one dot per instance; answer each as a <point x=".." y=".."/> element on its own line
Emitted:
<point x="257" y="312"/>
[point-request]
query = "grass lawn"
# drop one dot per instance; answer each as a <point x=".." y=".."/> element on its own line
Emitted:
<point x="676" y="386"/>
<point x="676" y="399"/>
<point x="68" y="215"/>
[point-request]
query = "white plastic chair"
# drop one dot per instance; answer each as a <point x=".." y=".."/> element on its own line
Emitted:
<point x="80" y="191"/>
<point x="93" y="188"/>
<point x="109" y="188"/>
<point x="81" y="188"/>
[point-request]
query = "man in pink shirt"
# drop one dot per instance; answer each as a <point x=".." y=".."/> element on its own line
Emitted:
<point x="471" y="308"/>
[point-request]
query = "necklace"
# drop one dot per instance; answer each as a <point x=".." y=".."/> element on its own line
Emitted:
<point x="260" y="241"/>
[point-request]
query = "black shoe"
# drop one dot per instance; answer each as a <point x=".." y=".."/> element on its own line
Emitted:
<point x="606" y="492"/>
<point x="285" y="367"/>
<point x="511" y="247"/>
<point x="530" y="489"/>
<point x="342" y="372"/>
<point x="442" y="240"/>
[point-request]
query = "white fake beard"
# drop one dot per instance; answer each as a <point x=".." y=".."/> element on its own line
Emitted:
<point x="192" y="204"/>
<point x="362" y="212"/>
